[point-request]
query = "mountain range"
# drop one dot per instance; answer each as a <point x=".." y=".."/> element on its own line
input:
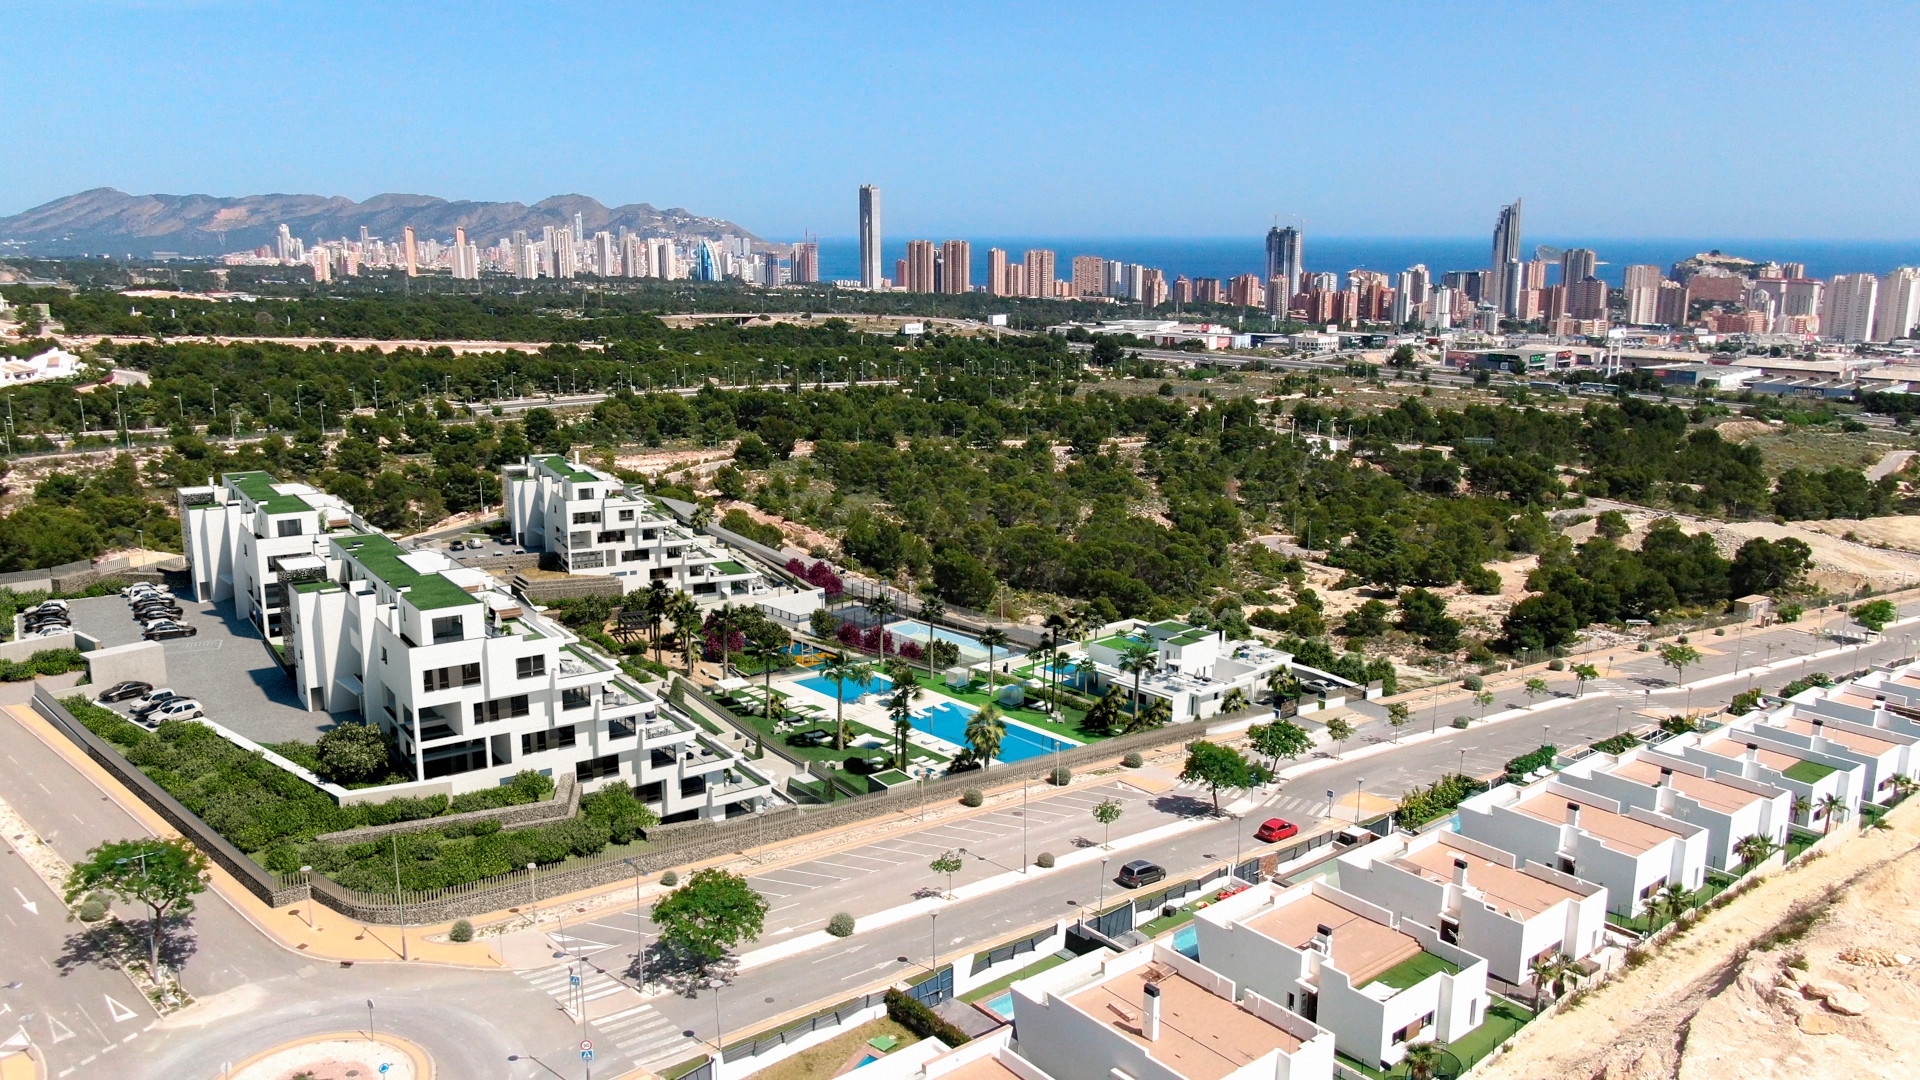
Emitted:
<point x="107" y="221"/>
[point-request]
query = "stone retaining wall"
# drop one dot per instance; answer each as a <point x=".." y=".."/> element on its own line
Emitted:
<point x="564" y="804"/>
<point x="540" y="590"/>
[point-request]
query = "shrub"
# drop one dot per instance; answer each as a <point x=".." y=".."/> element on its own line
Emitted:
<point x="462" y="931"/>
<point x="909" y="1013"/>
<point x="1518" y="768"/>
<point x="972" y="797"/>
<point x="1474" y="683"/>
<point x="1061" y="777"/>
<point x="670" y="879"/>
<point x="841" y="925"/>
<point x="92" y="909"/>
<point x="1421" y="805"/>
<point x="1556" y="664"/>
<point x="1619" y="744"/>
<point x="1045" y="861"/>
<point x="1133" y="760"/>
<point x="1462" y="721"/>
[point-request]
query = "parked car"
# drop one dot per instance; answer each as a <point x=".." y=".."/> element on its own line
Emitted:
<point x="157" y="611"/>
<point x="1276" y="829"/>
<point x="1141" y="872"/>
<point x="168" y="632"/>
<point x="57" y="623"/>
<point x="123" y="691"/>
<point x="185" y="708"/>
<point x="139" y="586"/>
<point x="152" y="701"/>
<point x="49" y="605"/>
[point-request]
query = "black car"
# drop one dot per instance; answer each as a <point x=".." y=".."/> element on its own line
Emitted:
<point x="122" y="691"/>
<point x="156" y="605"/>
<point x="157" y="614"/>
<point x="169" y="632"/>
<point x="1141" y="872"/>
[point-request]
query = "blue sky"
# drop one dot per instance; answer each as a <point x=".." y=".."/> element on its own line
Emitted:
<point x="1115" y="119"/>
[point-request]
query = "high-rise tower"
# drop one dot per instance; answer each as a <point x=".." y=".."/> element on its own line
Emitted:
<point x="870" y="275"/>
<point x="1284" y="262"/>
<point x="1506" y="248"/>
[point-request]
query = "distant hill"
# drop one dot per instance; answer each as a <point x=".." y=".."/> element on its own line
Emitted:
<point x="106" y="221"/>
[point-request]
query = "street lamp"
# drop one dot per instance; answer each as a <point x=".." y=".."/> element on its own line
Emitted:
<point x="533" y="891"/>
<point x="308" y="871"/>
<point x="933" y="941"/>
<point x="639" y="937"/>
<point x="1357" y="782"/>
<point x="1103" y="887"/>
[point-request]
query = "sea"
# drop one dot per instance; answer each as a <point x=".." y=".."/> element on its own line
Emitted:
<point x="1224" y="258"/>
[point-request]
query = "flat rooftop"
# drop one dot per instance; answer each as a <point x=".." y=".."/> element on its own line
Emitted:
<point x="1733" y="747"/>
<point x="262" y="489"/>
<point x="1512" y="891"/>
<point x="1706" y="791"/>
<point x="989" y="1068"/>
<point x="567" y="470"/>
<point x="1858" y="742"/>
<point x="1359" y="946"/>
<point x="1202" y="1036"/>
<point x="387" y="561"/>
<point x="1616" y="830"/>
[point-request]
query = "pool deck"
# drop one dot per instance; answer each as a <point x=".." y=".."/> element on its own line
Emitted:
<point x="871" y="711"/>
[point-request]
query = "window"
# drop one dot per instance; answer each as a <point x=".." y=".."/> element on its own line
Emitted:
<point x="584" y="560"/>
<point x="587" y="517"/>
<point x="611" y="536"/>
<point x="1411" y="1030"/>
<point x="597" y="768"/>
<point x="447" y="678"/>
<point x="575" y="699"/>
<point x="535" y="742"/>
<point x="383" y="654"/>
<point x="447" y="628"/>
<point x="632" y="555"/>
<point x="626" y="515"/>
<point x="486" y="712"/>
<point x="623" y="729"/>
<point x="287" y="527"/>
<point x="1449" y="930"/>
<point x="527" y="667"/>
<point x="584" y="493"/>
<point x="390" y="702"/>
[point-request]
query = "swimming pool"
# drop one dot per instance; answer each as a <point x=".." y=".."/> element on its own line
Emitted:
<point x="948" y="720"/>
<point x="971" y="649"/>
<point x="1000" y="1005"/>
<point x="1186" y="941"/>
<point x="867" y="1060"/>
<point x="847" y="691"/>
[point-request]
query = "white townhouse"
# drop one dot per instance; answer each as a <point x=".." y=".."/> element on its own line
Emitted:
<point x="1881" y="699"/>
<point x="1195" y="668"/>
<point x="1757" y="754"/>
<point x="1377" y="981"/>
<point x="594" y="524"/>
<point x="1487" y="901"/>
<point x="236" y="534"/>
<point x="1152" y="1014"/>
<point x="1731" y="808"/>
<point x="475" y="686"/>
<point x="1884" y="753"/>
<point x="1630" y="852"/>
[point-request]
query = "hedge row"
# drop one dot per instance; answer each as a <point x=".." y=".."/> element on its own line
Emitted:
<point x="909" y="1013"/>
<point x="44" y="662"/>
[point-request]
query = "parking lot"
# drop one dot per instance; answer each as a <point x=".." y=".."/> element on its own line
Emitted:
<point x="225" y="665"/>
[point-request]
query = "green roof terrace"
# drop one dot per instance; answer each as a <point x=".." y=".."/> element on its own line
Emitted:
<point x="382" y="558"/>
<point x="258" y="486"/>
<point x="567" y="470"/>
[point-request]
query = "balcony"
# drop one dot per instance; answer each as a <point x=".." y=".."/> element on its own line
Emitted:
<point x="664" y="732"/>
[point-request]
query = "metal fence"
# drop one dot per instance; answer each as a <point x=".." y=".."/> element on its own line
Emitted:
<point x="1000" y="954"/>
<point x="933" y="989"/>
<point x="834" y="1017"/>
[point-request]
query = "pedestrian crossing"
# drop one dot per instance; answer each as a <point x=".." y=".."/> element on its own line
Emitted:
<point x="639" y="1031"/>
<point x="644" y="1034"/>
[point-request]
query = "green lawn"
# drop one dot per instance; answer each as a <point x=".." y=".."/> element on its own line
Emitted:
<point x="1807" y="772"/>
<point x="1070" y="727"/>
<point x="1504" y="1018"/>
<point x="980" y="993"/>
<point x="1414" y="970"/>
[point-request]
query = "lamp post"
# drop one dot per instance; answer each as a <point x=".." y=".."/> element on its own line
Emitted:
<point x="308" y="871"/>
<point x="1103" y="887"/>
<point x="933" y="941"/>
<point x="639" y="938"/>
<point x="369" y="1018"/>
<point x="400" y="896"/>
<point x="1024" y="861"/>
<point x="1358" y="781"/>
<point x="533" y="892"/>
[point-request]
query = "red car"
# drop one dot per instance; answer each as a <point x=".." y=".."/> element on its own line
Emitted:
<point x="1276" y="829"/>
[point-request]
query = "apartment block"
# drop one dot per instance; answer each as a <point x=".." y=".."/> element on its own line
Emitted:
<point x="1630" y="852"/>
<point x="237" y="533"/>
<point x="1378" y="982"/>
<point x="1731" y="808"/>
<point x="1152" y="1014"/>
<point x="593" y="524"/>
<point x="1487" y="901"/>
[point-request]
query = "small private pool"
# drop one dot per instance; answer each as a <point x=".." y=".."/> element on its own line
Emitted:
<point x="972" y="650"/>
<point x="1186" y="942"/>
<point x="867" y="1059"/>
<point x="1000" y="1005"/>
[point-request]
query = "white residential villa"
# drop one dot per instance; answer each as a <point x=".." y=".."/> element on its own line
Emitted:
<point x="1756" y="754"/>
<point x="1379" y="982"/>
<point x="1731" y="808"/>
<point x="594" y="524"/>
<point x="1196" y="669"/>
<point x="1487" y="901"/>
<point x="52" y="364"/>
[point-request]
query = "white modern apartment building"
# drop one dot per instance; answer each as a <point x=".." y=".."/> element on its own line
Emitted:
<point x="1487" y="901"/>
<point x="1152" y="1014"/>
<point x="237" y="532"/>
<point x="594" y="524"/>
<point x="1195" y="669"/>
<point x="1731" y="808"/>
<point x="1630" y="852"/>
<point x="1378" y="982"/>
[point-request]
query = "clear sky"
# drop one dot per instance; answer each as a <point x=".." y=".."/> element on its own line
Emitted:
<point x="1111" y="119"/>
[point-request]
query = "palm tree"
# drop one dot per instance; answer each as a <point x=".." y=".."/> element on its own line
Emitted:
<point x="931" y="609"/>
<point x="725" y="617"/>
<point x="1423" y="1060"/>
<point x="1106" y="713"/>
<point x="657" y="601"/>
<point x="900" y="707"/>
<point x="1668" y="903"/>
<point x="1056" y="624"/>
<point x="1158" y="714"/>
<point x="880" y="607"/>
<point x="765" y="652"/>
<point x="1138" y="660"/>
<point x="1754" y="850"/>
<point x="1236" y="700"/>
<point x="686" y="625"/>
<point x="984" y="732"/>
<point x="992" y="638"/>
<point x="701" y="517"/>
<point x="1550" y="975"/>
<point x="1802" y="808"/>
<point x="840" y="671"/>
<point x="1835" y="809"/>
<point x="1282" y="684"/>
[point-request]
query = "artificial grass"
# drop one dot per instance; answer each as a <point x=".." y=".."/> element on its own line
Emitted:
<point x="1807" y="772"/>
<point x="981" y="993"/>
<point x="1414" y="970"/>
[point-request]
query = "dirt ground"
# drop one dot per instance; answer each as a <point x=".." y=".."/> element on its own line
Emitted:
<point x="1709" y="1004"/>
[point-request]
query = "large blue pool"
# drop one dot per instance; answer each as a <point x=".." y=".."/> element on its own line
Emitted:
<point x="948" y="720"/>
<point x="847" y="691"/>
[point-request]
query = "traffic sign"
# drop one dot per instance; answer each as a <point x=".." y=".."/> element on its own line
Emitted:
<point x="586" y="1055"/>
<point x="573" y="980"/>
<point x="586" y="1044"/>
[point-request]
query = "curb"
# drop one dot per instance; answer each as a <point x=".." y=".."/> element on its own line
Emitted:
<point x="423" y="1067"/>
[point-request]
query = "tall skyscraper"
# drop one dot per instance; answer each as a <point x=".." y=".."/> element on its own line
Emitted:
<point x="870" y="273"/>
<point x="606" y="257"/>
<point x="1153" y="287"/>
<point x="283" y="246"/>
<point x="1415" y="284"/>
<point x="1506" y="249"/>
<point x="998" y="283"/>
<point x="413" y="254"/>
<point x="1642" y="276"/>
<point x="1040" y="274"/>
<point x="1577" y="265"/>
<point x="1897" y="309"/>
<point x="1848" y="312"/>
<point x="1513" y="282"/>
<point x="806" y="263"/>
<point x="633" y="256"/>
<point x="956" y="267"/>
<point x="919" y="264"/>
<point x="1089" y="275"/>
<point x="1285" y="261"/>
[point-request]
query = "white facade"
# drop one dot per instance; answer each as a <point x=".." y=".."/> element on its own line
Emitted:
<point x="594" y="525"/>
<point x="52" y="364"/>
<point x="1757" y="754"/>
<point x="1322" y="953"/>
<point x="1152" y="1014"/>
<point x="1730" y="808"/>
<point x="1196" y="668"/>
<point x="1630" y="852"/>
<point x="1882" y="753"/>
<point x="237" y="534"/>
<point x="1848" y="308"/>
<point x="1485" y="900"/>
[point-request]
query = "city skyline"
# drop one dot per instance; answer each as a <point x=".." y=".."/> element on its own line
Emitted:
<point x="1591" y="172"/>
